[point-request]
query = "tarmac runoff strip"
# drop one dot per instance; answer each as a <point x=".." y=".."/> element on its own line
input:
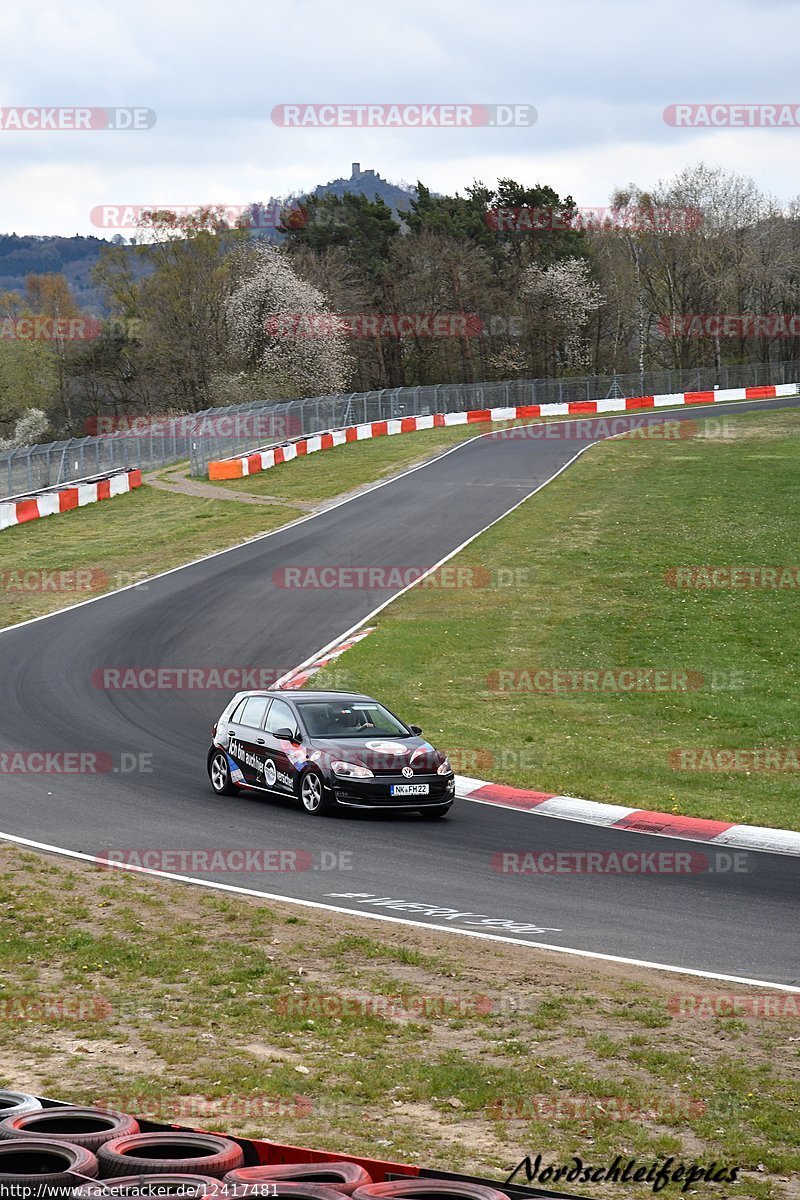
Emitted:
<point x="367" y="898"/>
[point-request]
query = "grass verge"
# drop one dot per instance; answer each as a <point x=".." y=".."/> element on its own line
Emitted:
<point x="114" y="543"/>
<point x="228" y="1013"/>
<point x="586" y="562"/>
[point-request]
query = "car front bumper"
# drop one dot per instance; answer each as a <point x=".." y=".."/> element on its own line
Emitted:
<point x="375" y="793"/>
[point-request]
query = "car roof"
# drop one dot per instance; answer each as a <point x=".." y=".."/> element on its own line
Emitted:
<point x="307" y="694"/>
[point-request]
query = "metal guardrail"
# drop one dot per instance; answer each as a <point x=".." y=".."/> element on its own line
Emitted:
<point x="217" y="433"/>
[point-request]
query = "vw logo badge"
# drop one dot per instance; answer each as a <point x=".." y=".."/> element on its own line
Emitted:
<point x="407" y="772"/>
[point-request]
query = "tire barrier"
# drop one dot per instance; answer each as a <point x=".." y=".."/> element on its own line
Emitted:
<point x="169" y="1160"/>
<point x="45" y="1166"/>
<point x="87" y="1127"/>
<point x="14" y="1103"/>
<point x="192" y="1187"/>
<point x="169" y="1153"/>
<point x="278" y="1189"/>
<point x="432" y="1189"/>
<point x="342" y="1177"/>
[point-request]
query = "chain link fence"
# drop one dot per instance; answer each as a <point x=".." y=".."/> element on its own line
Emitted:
<point x="218" y="433"/>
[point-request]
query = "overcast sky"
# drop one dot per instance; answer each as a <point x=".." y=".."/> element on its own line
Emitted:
<point x="599" y="75"/>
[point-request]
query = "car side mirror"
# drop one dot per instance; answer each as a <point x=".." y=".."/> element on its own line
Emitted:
<point x="415" y="729"/>
<point x="286" y="735"/>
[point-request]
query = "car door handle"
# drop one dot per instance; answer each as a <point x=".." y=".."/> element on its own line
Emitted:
<point x="261" y="741"/>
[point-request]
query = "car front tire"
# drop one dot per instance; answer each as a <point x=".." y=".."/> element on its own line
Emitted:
<point x="313" y="795"/>
<point x="219" y="772"/>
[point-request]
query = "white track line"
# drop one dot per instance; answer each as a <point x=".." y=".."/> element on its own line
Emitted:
<point x="349" y="912"/>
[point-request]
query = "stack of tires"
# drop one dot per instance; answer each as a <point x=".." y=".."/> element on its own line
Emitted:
<point x="88" y="1153"/>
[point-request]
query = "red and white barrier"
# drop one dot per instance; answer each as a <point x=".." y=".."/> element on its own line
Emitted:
<point x="262" y="460"/>
<point x="46" y="504"/>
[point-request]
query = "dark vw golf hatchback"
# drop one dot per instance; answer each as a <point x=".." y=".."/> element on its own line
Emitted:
<point x="329" y="750"/>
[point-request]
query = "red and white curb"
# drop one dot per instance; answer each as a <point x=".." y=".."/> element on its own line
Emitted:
<point x="47" y="504"/>
<point x="300" y="676"/>
<point x="263" y="460"/>
<point x="631" y="820"/>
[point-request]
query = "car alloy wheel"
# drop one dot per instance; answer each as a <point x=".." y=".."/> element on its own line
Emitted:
<point x="312" y="793"/>
<point x="220" y="774"/>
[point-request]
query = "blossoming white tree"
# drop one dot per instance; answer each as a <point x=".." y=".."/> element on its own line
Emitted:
<point x="280" y="325"/>
<point x="29" y="429"/>
<point x="563" y="297"/>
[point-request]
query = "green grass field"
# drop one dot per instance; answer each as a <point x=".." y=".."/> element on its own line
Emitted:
<point x="318" y="1029"/>
<point x="591" y="553"/>
<point x="120" y="541"/>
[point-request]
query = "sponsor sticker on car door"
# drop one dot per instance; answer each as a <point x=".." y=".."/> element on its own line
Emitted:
<point x="282" y="769"/>
<point x="246" y="742"/>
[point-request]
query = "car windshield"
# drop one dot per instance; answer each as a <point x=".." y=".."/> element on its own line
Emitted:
<point x="350" y="718"/>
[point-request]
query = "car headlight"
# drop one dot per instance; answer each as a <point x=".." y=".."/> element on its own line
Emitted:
<point x="445" y="768"/>
<point x="351" y="770"/>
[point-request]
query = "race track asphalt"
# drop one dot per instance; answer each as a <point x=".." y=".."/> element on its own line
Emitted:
<point x="226" y="611"/>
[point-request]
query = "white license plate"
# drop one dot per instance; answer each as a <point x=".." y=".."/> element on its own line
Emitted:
<point x="409" y="789"/>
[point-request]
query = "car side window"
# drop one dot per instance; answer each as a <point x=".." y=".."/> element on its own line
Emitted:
<point x="281" y="717"/>
<point x="236" y="716"/>
<point x="253" y="713"/>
